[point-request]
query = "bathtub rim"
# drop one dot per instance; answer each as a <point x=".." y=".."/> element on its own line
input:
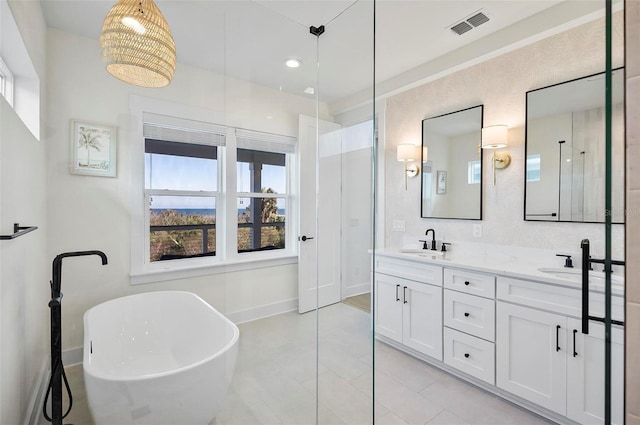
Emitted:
<point x="87" y="354"/>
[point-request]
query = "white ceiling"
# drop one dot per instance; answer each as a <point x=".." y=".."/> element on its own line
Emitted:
<point x="250" y="39"/>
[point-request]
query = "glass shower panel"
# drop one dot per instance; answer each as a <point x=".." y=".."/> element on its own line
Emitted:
<point x="424" y="364"/>
<point x="344" y="216"/>
<point x="275" y="374"/>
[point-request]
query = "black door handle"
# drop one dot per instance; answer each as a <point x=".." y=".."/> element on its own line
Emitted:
<point x="305" y="238"/>
<point x="397" y="297"/>
<point x="575" y="353"/>
<point x="557" y="337"/>
<point x="404" y="294"/>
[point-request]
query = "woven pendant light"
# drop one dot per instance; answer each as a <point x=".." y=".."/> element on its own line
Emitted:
<point x="137" y="46"/>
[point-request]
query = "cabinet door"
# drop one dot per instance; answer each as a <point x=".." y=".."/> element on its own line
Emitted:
<point x="422" y="318"/>
<point x="531" y="355"/>
<point x="388" y="306"/>
<point x="585" y="374"/>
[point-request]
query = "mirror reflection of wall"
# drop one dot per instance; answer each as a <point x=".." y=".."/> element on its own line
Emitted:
<point x="565" y="149"/>
<point x="452" y="174"/>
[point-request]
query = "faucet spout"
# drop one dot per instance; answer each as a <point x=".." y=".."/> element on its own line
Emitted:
<point x="433" y="237"/>
<point x="57" y="268"/>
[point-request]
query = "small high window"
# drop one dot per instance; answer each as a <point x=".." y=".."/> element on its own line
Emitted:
<point x="6" y="82"/>
<point x="474" y="172"/>
<point x="533" y="168"/>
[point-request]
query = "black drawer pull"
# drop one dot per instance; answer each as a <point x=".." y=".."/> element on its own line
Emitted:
<point x="397" y="297"/>
<point x="466" y="315"/>
<point x="557" y="338"/>
<point x="575" y="353"/>
<point x="466" y="282"/>
<point x="467" y="355"/>
<point x="404" y="294"/>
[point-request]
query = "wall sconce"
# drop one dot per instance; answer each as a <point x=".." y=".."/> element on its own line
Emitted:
<point x="495" y="137"/>
<point x="409" y="153"/>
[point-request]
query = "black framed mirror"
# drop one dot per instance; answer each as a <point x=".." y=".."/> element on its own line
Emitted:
<point x="451" y="184"/>
<point x="565" y="149"/>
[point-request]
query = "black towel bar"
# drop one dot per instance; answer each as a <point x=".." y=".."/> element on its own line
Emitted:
<point x="18" y="231"/>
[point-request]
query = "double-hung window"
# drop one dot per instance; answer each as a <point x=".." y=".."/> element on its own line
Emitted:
<point x="213" y="195"/>
<point x="182" y="191"/>
<point x="262" y="190"/>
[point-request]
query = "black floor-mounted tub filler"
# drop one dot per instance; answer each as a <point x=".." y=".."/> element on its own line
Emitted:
<point x="57" y="369"/>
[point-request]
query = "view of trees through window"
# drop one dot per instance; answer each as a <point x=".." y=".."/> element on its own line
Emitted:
<point x="181" y="182"/>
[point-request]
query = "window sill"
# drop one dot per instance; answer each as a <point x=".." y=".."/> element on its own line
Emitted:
<point x="210" y="269"/>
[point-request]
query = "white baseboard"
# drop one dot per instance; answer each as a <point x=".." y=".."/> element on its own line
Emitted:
<point x="37" y="397"/>
<point x="70" y="357"/>
<point x="263" y="311"/>
<point x="358" y="289"/>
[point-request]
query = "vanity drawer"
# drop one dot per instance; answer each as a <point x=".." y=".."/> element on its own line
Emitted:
<point x="470" y="314"/>
<point x="554" y="298"/>
<point x="471" y="355"/>
<point x="408" y="269"/>
<point x="480" y="284"/>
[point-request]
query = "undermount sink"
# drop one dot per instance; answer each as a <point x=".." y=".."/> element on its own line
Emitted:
<point x="421" y="252"/>
<point x="595" y="277"/>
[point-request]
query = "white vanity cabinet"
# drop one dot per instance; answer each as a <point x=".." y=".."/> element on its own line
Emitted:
<point x="585" y="374"/>
<point x="530" y="362"/>
<point x="469" y="320"/>
<point x="543" y="357"/>
<point x="410" y="311"/>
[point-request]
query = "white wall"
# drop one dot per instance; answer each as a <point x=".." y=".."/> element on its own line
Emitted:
<point x="94" y="213"/>
<point x="500" y="85"/>
<point x="24" y="266"/>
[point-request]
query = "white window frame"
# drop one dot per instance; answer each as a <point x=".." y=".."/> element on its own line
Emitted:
<point x="6" y="82"/>
<point x="227" y="258"/>
<point x="531" y="160"/>
<point x="471" y="166"/>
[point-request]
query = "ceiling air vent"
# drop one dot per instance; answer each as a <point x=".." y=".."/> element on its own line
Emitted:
<point x="469" y="23"/>
<point x="478" y="19"/>
<point x="461" y="28"/>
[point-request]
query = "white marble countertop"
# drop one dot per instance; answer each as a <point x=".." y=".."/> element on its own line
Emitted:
<point x="529" y="267"/>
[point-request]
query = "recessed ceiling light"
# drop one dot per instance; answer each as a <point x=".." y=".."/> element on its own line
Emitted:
<point x="309" y="90"/>
<point x="293" y="63"/>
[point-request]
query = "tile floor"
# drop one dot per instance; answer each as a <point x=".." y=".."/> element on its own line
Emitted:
<point x="274" y="381"/>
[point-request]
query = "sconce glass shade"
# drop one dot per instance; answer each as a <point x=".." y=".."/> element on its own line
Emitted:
<point x="137" y="45"/>
<point x="408" y="152"/>
<point x="494" y="137"/>
<point x="425" y="154"/>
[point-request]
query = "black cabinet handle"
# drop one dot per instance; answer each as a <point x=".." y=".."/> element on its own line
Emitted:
<point x="575" y="353"/>
<point x="404" y="294"/>
<point x="467" y="355"/>
<point x="466" y="282"/>
<point x="397" y="296"/>
<point x="466" y="314"/>
<point x="557" y="337"/>
<point x="306" y="238"/>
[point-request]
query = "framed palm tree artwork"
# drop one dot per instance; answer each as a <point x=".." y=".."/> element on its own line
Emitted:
<point x="93" y="149"/>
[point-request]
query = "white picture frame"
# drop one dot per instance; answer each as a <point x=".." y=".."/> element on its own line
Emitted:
<point x="93" y="149"/>
<point x="441" y="182"/>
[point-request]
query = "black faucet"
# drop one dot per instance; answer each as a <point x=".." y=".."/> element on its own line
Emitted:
<point x="567" y="262"/>
<point x="433" y="237"/>
<point x="57" y="268"/>
<point x="57" y="369"/>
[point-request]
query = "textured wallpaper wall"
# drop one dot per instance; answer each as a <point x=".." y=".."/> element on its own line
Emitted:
<point x="500" y="84"/>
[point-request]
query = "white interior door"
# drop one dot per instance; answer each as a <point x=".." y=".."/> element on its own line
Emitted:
<point x="320" y="214"/>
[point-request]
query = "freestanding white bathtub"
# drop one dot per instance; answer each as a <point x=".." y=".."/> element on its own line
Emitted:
<point x="162" y="357"/>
